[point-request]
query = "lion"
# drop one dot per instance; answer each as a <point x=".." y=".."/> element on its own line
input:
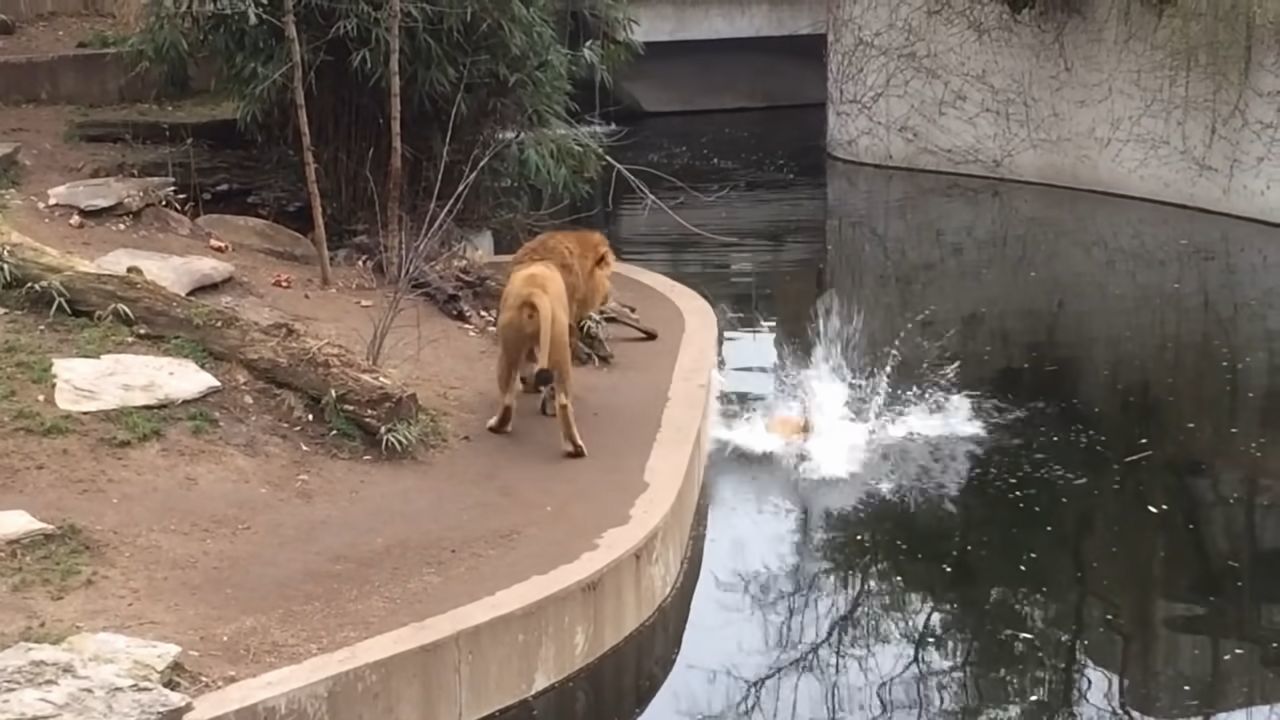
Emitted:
<point x="534" y="318"/>
<point x="586" y="262"/>
<point x="788" y="427"/>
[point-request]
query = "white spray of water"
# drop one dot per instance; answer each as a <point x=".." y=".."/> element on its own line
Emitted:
<point x="852" y="406"/>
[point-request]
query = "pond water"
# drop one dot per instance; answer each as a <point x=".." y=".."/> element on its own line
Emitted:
<point x="1040" y="479"/>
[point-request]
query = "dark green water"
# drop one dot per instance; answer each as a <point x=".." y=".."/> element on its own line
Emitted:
<point x="1110" y="547"/>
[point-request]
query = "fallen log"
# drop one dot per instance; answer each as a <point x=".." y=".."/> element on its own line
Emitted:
<point x="277" y="352"/>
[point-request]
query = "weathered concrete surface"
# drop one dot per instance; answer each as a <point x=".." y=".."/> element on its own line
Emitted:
<point x="672" y="20"/>
<point x="482" y="657"/>
<point x="628" y="675"/>
<point x="85" y="77"/>
<point x="725" y="75"/>
<point x="21" y="10"/>
<point x="1179" y="106"/>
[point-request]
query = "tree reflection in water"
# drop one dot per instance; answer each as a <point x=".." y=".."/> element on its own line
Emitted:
<point x="1008" y="598"/>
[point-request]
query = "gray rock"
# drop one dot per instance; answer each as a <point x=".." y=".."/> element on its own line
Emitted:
<point x="264" y="236"/>
<point x="120" y="195"/>
<point x="177" y="273"/>
<point x="9" y="152"/>
<point x="98" y="676"/>
<point x="162" y="218"/>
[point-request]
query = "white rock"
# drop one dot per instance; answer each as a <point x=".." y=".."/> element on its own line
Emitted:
<point x="94" y="678"/>
<point x="18" y="525"/>
<point x="120" y="194"/>
<point x="177" y="273"/>
<point x="143" y="659"/>
<point x="119" y="381"/>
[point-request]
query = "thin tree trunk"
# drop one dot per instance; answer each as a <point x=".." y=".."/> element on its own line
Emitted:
<point x="319" y="237"/>
<point x="394" y="243"/>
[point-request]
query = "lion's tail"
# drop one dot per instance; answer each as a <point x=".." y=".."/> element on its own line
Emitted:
<point x="543" y="377"/>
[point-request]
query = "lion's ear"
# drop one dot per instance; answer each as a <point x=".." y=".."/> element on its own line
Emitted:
<point x="605" y="258"/>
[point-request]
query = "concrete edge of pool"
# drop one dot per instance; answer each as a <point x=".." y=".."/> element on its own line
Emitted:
<point x="480" y="658"/>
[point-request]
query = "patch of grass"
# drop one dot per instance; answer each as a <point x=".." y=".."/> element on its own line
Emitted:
<point x="189" y="349"/>
<point x="58" y="562"/>
<point x="427" y="429"/>
<point x="201" y="421"/>
<point x="10" y="177"/>
<point x="339" y="424"/>
<point x="103" y="40"/>
<point x="40" y="633"/>
<point x="38" y="370"/>
<point x="22" y="356"/>
<point x="136" y="426"/>
<point x="202" y="315"/>
<point x="6" y="392"/>
<point x="35" y="423"/>
<point x="96" y="339"/>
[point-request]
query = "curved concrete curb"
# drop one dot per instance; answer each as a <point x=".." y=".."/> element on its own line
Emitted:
<point x="482" y="657"/>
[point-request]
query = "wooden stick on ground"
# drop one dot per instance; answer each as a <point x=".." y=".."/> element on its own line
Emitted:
<point x="278" y="353"/>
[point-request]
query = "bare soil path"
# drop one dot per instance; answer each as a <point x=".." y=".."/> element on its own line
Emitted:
<point x="239" y="535"/>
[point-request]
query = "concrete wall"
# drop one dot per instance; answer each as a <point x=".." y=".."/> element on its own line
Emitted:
<point x="21" y="10"/>
<point x="1178" y="106"/>
<point x="485" y="656"/>
<point x="669" y="20"/>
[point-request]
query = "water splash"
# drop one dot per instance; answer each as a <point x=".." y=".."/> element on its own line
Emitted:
<point x="855" y="409"/>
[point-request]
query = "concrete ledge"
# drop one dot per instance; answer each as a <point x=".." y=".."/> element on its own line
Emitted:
<point x="483" y="657"/>
<point x="84" y="77"/>
<point x="22" y="10"/>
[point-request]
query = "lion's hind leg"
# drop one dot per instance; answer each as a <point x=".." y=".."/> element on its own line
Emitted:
<point x="508" y="369"/>
<point x="562" y="365"/>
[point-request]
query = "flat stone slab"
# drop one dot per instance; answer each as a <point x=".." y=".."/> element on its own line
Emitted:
<point x="177" y="273"/>
<point x="264" y="236"/>
<point x="9" y="152"/>
<point x="122" y="380"/>
<point x="120" y="195"/>
<point x="17" y="525"/>
<point x="91" y="676"/>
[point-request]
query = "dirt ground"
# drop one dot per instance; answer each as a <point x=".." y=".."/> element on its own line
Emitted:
<point x="241" y="532"/>
<point x="61" y="33"/>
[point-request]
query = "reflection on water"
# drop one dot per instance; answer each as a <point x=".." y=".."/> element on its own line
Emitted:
<point x="1110" y="548"/>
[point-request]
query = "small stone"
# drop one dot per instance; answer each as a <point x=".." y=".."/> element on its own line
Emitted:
<point x="18" y="525"/>
<point x="219" y="246"/>
<point x="76" y="221"/>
